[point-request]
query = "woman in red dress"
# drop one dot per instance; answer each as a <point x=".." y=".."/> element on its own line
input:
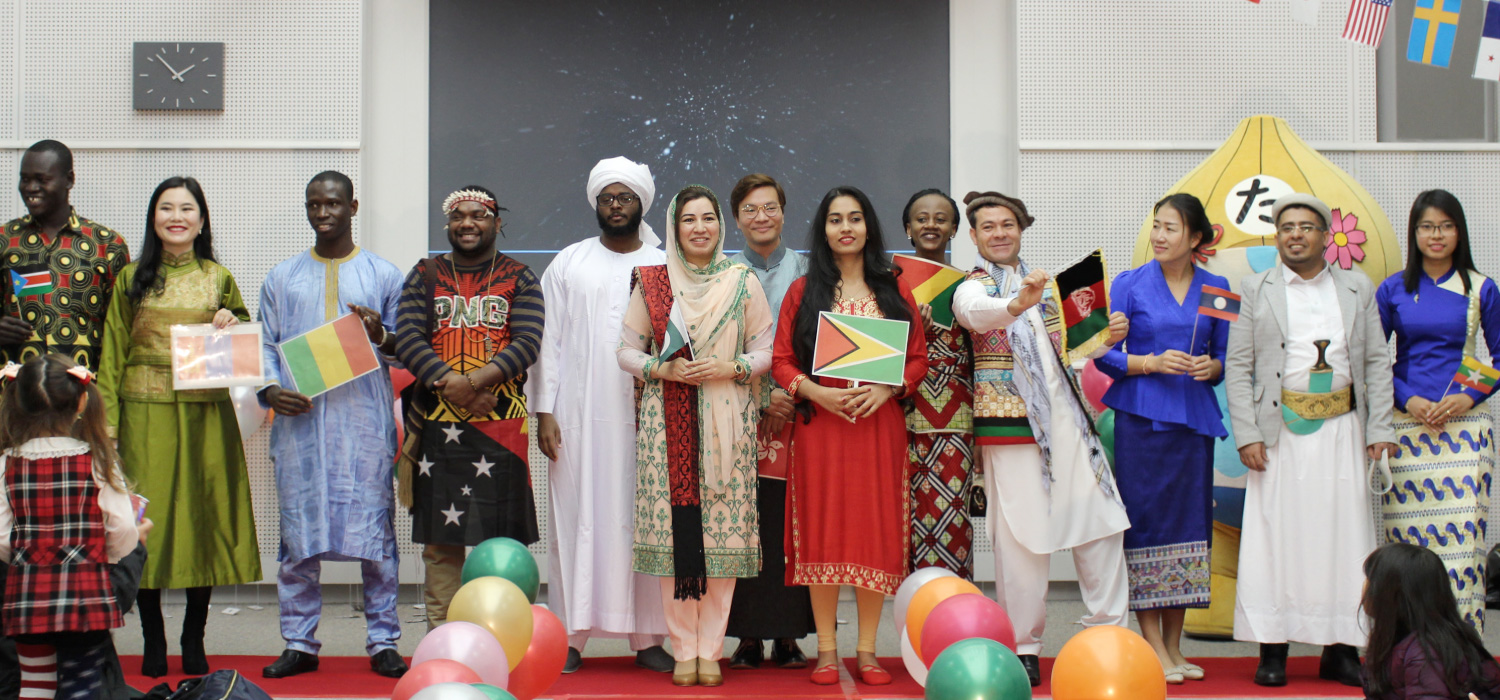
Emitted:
<point x="848" y="504"/>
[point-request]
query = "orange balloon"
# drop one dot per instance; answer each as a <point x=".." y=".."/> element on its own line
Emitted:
<point x="1107" y="662"/>
<point x="927" y="598"/>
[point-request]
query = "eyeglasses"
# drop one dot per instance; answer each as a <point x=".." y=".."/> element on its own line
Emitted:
<point x="625" y="200"/>
<point x="772" y="210"/>
<point x="1427" y="229"/>
<point x="1305" y="228"/>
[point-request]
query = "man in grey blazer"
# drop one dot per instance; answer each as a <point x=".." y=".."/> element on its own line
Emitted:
<point x="1308" y="378"/>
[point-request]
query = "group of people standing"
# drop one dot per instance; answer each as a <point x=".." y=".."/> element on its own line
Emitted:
<point x="690" y="442"/>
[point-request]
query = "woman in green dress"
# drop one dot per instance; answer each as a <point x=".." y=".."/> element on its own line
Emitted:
<point x="181" y="448"/>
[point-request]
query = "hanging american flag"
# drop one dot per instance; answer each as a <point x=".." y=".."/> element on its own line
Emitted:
<point x="1366" y="22"/>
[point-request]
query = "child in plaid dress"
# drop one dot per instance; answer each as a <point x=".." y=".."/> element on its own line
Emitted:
<point x="65" y="517"/>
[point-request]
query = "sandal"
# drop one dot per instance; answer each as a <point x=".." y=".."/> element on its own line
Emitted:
<point x="826" y="675"/>
<point x="1191" y="671"/>
<point x="874" y="675"/>
<point x="1174" y="675"/>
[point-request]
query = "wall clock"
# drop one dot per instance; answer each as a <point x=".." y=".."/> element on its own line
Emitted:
<point x="178" y="75"/>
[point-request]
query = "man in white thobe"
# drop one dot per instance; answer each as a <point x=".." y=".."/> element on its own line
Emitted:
<point x="1046" y="477"/>
<point x="1308" y="526"/>
<point x="586" y="424"/>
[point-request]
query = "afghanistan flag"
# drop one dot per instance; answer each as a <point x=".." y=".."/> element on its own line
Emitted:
<point x="931" y="283"/>
<point x="1473" y="374"/>
<point x="1085" y="306"/>
<point x="334" y="353"/>
<point x="860" y="348"/>
<point x="31" y="281"/>
<point x="1219" y="303"/>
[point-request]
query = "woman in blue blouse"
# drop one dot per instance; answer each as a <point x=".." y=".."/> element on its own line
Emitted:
<point x="1436" y="308"/>
<point x="1166" y="419"/>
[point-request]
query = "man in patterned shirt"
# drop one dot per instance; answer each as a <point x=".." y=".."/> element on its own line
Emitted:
<point x="58" y="269"/>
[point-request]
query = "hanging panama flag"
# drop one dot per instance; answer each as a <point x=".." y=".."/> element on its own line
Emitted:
<point x="332" y="354"/>
<point x="1366" y="21"/>
<point x="31" y="281"/>
<point x="1434" y="26"/>
<point x="676" y="335"/>
<point x="1085" y="306"/>
<point x="860" y="348"/>
<point x="1487" y="65"/>
<point x="1219" y="303"/>
<point x="1475" y="375"/>
<point x="931" y="283"/>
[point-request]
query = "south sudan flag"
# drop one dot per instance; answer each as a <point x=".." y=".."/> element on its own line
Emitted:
<point x="1085" y="306"/>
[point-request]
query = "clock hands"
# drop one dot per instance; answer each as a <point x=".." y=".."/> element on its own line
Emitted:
<point x="176" y="75"/>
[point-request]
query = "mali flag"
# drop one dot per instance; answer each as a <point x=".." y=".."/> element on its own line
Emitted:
<point x="334" y="353"/>
<point x="1085" y="305"/>
<point x="931" y="283"/>
<point x="1474" y="375"/>
<point x="860" y="348"/>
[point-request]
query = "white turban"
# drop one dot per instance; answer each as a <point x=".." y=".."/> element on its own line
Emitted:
<point x="631" y="174"/>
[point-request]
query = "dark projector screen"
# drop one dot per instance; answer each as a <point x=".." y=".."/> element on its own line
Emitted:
<point x="527" y="96"/>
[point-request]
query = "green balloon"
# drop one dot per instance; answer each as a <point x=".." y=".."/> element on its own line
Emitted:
<point x="508" y="559"/>
<point x="1106" y="429"/>
<point x="977" y="669"/>
<point x="492" y="691"/>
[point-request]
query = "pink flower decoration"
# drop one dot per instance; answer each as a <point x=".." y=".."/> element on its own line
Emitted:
<point x="1344" y="241"/>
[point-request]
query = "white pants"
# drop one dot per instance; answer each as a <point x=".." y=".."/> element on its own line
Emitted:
<point x="1021" y="577"/>
<point x="697" y="626"/>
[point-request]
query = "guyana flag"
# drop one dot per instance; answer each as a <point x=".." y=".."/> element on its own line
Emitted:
<point x="931" y="283"/>
<point x="860" y="348"/>
<point x="1085" y="306"/>
<point x="332" y="354"/>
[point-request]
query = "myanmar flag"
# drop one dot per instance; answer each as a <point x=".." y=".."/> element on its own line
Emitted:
<point x="334" y="353"/>
<point x="1475" y="375"/>
<point x="931" y="283"/>
<point x="1085" y="306"/>
<point x="860" y="348"/>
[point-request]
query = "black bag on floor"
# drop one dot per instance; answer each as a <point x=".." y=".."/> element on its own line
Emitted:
<point x="220" y="685"/>
<point x="1492" y="579"/>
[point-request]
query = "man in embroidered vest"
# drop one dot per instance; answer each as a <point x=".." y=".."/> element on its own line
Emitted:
<point x="1309" y="399"/>
<point x="1046" y="477"/>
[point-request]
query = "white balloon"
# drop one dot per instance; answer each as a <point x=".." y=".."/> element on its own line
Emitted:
<point x="450" y="691"/>
<point x="909" y="657"/>
<point x="247" y="410"/>
<point x="917" y="579"/>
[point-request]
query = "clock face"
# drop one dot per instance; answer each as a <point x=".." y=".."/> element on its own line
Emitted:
<point x="178" y="75"/>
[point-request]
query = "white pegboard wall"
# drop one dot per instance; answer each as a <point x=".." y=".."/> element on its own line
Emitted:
<point x="1176" y="70"/>
<point x="292" y="70"/>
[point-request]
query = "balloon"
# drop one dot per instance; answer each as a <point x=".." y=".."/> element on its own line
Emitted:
<point x="983" y="669"/>
<point x="508" y="559"/>
<point x="450" y="691"/>
<point x="544" y="659"/>
<point x="1105" y="426"/>
<point x="493" y="693"/>
<point x="909" y="587"/>
<point x="247" y="410"/>
<point x="1094" y="383"/>
<point x="431" y="673"/>
<point x="914" y="665"/>
<point x="965" y="616"/>
<point x="468" y="644"/>
<point x="500" y="607"/>
<point x="927" y="598"/>
<point x="1107" y="662"/>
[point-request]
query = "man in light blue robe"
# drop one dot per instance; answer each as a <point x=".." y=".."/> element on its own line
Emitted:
<point x="333" y="452"/>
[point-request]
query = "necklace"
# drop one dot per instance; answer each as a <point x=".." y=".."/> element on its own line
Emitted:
<point x="468" y="333"/>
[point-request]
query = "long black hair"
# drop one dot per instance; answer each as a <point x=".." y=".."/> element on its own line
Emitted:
<point x="148" y="279"/>
<point x="1194" y="219"/>
<point x="823" y="275"/>
<point x="1407" y="594"/>
<point x="1463" y="260"/>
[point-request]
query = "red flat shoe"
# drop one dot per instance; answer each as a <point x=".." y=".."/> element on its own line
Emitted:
<point x="874" y="675"/>
<point x="829" y="675"/>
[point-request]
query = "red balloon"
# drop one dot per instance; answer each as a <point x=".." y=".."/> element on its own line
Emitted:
<point x="1094" y="383"/>
<point x="431" y="673"/>
<point x="965" y="616"/>
<point x="542" y="664"/>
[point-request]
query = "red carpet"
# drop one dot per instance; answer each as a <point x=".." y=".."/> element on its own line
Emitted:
<point x="350" y="677"/>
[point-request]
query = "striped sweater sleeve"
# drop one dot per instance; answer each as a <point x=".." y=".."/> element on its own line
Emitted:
<point x="413" y="347"/>
<point x="526" y="314"/>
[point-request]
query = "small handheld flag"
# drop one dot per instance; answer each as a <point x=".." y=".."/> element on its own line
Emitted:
<point x="1487" y="65"/>
<point x="676" y="336"/>
<point x="1475" y="375"/>
<point x="204" y="357"/>
<point x="1219" y="303"/>
<point x="328" y="356"/>
<point x="31" y="281"/>
<point x="1434" y="27"/>
<point x="860" y="348"/>
<point x="1366" y="21"/>
<point x="931" y="283"/>
<point x="1085" y="305"/>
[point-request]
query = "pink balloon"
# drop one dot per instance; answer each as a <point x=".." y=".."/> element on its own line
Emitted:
<point x="965" y="616"/>
<point x="470" y="645"/>
<point x="1094" y="384"/>
<point x="431" y="673"/>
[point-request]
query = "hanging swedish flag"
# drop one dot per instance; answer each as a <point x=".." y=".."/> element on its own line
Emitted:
<point x="1434" y="26"/>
